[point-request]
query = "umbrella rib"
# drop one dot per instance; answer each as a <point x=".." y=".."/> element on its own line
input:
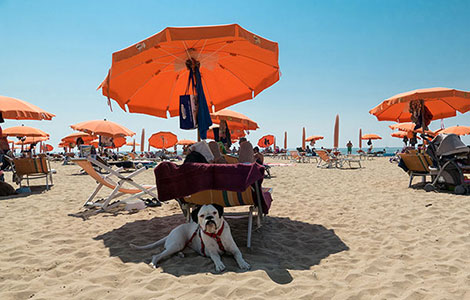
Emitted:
<point x="236" y="76"/>
<point x="448" y="104"/>
<point x="255" y="59"/>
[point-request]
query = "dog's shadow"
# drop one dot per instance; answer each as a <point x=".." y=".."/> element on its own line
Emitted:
<point x="281" y="244"/>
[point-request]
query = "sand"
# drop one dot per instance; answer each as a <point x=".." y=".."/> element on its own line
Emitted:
<point x="331" y="234"/>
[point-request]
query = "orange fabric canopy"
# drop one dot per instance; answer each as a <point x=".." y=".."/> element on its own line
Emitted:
<point x="132" y="144"/>
<point x="119" y="141"/>
<point x="149" y="77"/>
<point x="314" y="138"/>
<point x="235" y="120"/>
<point x="235" y="134"/>
<point x="371" y="137"/>
<point x="459" y="130"/>
<point x="12" y="108"/>
<point x="409" y="127"/>
<point x="266" y="141"/>
<point x="102" y="127"/>
<point x="47" y="148"/>
<point x="24" y="131"/>
<point x="72" y="138"/>
<point x="441" y="102"/>
<point x="186" y="142"/>
<point x="401" y="134"/>
<point x="163" y="140"/>
<point x="32" y="140"/>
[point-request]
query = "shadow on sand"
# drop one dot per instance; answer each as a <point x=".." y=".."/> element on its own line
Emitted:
<point x="281" y="244"/>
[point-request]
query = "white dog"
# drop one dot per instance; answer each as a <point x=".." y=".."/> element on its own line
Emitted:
<point x="209" y="235"/>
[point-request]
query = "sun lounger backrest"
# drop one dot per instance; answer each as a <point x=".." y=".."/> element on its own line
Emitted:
<point x="88" y="168"/>
<point x="223" y="198"/>
<point x="416" y="162"/>
<point x="323" y="155"/>
<point x="29" y="166"/>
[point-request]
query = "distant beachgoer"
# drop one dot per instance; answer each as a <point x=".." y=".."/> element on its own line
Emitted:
<point x="259" y="158"/>
<point x="349" y="145"/>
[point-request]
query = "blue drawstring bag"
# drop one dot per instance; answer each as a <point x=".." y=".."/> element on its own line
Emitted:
<point x="188" y="112"/>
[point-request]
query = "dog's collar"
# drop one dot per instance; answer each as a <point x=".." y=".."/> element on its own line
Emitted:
<point x="215" y="236"/>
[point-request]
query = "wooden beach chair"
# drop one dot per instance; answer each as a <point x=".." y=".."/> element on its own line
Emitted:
<point x="418" y="165"/>
<point x="32" y="168"/>
<point x="115" y="181"/>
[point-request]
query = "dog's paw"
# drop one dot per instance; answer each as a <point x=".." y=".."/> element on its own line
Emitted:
<point x="154" y="266"/>
<point x="244" y="265"/>
<point x="219" y="268"/>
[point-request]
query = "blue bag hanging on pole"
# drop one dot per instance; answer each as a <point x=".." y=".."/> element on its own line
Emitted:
<point x="188" y="112"/>
<point x="188" y="107"/>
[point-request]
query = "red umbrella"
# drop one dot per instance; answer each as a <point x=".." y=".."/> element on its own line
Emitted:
<point x="163" y="140"/>
<point x="266" y="141"/>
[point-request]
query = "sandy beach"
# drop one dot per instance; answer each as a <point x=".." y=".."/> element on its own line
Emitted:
<point x="331" y="234"/>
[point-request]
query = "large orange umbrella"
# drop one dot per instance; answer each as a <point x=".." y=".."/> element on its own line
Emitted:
<point x="441" y="102"/>
<point x="163" y="140"/>
<point x="102" y="127"/>
<point x="186" y="142"/>
<point x="336" y="133"/>
<point x="285" y="140"/>
<point x="47" y="148"/>
<point x="132" y="144"/>
<point x="458" y="130"/>
<point x="149" y="77"/>
<point x="72" y="138"/>
<point x="21" y="131"/>
<point x="234" y="133"/>
<point x="408" y="127"/>
<point x="12" y="108"/>
<point x="266" y="141"/>
<point x="119" y="141"/>
<point x="371" y="136"/>
<point x="314" y="138"/>
<point x="235" y="120"/>
<point x="303" y="138"/>
<point x="32" y="140"/>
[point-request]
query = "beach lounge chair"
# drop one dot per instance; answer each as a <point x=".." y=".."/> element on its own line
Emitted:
<point x="198" y="184"/>
<point x="115" y="181"/>
<point x="32" y="168"/>
<point x="417" y="164"/>
<point x="295" y="156"/>
<point x="326" y="161"/>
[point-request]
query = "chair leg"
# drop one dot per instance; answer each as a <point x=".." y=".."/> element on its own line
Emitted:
<point x="112" y="195"/>
<point x="98" y="188"/>
<point x="411" y="179"/>
<point x="250" y="226"/>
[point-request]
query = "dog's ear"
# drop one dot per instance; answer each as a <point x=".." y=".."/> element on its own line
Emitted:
<point x="220" y="209"/>
<point x="194" y="213"/>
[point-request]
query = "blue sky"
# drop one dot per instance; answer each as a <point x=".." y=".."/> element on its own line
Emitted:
<point x="336" y="57"/>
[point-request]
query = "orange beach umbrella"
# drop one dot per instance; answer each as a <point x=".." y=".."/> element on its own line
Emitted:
<point x="441" y="102"/>
<point x="314" y="138"/>
<point x="458" y="130"/>
<point x="149" y="77"/>
<point x="32" y="140"/>
<point x="24" y="131"/>
<point x="72" y="138"/>
<point x="371" y="137"/>
<point x="132" y="144"/>
<point x="266" y="141"/>
<point x="409" y="127"/>
<point x="235" y="134"/>
<point x="235" y="120"/>
<point x="12" y="108"/>
<point x="163" y="140"/>
<point x="102" y="127"/>
<point x="186" y="142"/>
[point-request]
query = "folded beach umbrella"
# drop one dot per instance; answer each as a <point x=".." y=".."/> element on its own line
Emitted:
<point x="360" y="138"/>
<point x="266" y="141"/>
<point x="458" y="130"/>
<point x="142" y="140"/>
<point x="12" y="108"/>
<point x="234" y="64"/>
<point x="441" y="102"/>
<point x="235" y="120"/>
<point x="163" y="140"/>
<point x="21" y="131"/>
<point x="285" y="140"/>
<point x="371" y="137"/>
<point x="303" y="138"/>
<point x="336" y="133"/>
<point x="102" y="127"/>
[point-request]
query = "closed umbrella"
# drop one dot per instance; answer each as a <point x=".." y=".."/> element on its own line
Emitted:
<point x="142" y="141"/>
<point x="336" y="133"/>
<point x="285" y="140"/>
<point x="303" y="138"/>
<point x="360" y="138"/>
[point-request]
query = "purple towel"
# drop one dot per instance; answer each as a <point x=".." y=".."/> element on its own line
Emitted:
<point x="175" y="181"/>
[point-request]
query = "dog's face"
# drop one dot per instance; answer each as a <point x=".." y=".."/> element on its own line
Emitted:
<point x="209" y="217"/>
